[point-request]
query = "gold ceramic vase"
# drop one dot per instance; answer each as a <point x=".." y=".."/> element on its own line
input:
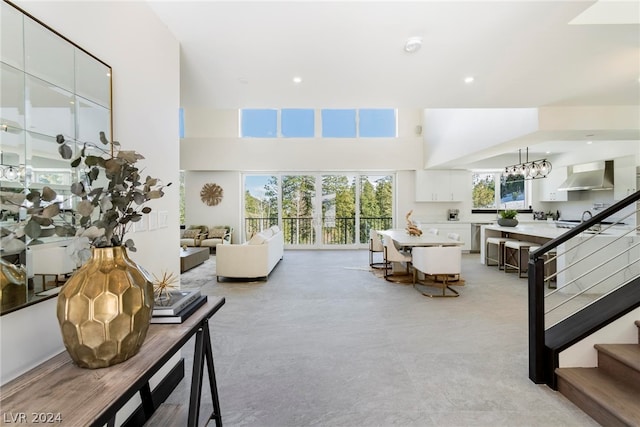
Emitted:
<point x="104" y="309"/>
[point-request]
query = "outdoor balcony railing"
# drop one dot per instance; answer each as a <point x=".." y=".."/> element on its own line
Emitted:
<point x="335" y="231"/>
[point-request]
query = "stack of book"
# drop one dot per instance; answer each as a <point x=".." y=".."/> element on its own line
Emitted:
<point x="177" y="307"/>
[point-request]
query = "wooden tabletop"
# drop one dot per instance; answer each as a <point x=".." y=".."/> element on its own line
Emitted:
<point x="402" y="238"/>
<point x="82" y="397"/>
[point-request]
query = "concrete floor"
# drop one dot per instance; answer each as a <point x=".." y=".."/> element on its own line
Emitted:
<point x="324" y="342"/>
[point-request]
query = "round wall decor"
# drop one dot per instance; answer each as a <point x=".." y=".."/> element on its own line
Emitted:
<point x="211" y="194"/>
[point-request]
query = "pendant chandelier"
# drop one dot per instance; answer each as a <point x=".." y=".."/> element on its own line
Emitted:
<point x="529" y="170"/>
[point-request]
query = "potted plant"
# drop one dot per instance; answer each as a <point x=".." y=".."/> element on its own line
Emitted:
<point x="508" y="218"/>
<point x="105" y="307"/>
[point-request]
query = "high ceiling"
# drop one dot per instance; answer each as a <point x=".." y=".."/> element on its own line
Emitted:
<point x="351" y="53"/>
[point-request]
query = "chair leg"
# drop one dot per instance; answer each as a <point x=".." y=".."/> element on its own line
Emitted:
<point x="445" y="286"/>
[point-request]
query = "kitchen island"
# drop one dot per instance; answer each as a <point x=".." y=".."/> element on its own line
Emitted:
<point x="590" y="263"/>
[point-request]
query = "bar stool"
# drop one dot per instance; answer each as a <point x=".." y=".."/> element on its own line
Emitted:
<point x="499" y="242"/>
<point x="513" y="256"/>
<point x="549" y="266"/>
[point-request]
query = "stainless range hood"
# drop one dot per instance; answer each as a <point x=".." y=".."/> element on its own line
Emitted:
<point x="590" y="176"/>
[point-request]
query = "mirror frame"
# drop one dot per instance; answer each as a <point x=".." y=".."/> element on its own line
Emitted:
<point x="28" y="137"/>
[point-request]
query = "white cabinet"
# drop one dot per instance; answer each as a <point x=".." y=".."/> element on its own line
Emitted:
<point x="461" y="228"/>
<point x="547" y="188"/>
<point x="624" y="177"/>
<point x="443" y="186"/>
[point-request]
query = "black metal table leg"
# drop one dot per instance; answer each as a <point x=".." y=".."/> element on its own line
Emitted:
<point x="212" y="376"/>
<point x="147" y="401"/>
<point x="196" y="379"/>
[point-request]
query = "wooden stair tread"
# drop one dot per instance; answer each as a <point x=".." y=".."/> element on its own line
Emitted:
<point x="617" y="397"/>
<point x="628" y="354"/>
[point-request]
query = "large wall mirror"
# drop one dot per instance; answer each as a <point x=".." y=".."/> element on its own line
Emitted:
<point x="48" y="86"/>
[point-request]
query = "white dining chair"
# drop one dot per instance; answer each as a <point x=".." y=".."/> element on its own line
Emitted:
<point x="393" y="255"/>
<point x="437" y="263"/>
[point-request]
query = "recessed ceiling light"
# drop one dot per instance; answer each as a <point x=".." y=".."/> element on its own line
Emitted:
<point x="413" y="44"/>
<point x="297" y="79"/>
<point x="547" y="152"/>
<point x="589" y="142"/>
<point x="469" y="79"/>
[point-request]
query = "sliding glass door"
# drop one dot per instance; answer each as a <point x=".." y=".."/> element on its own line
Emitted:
<point x="319" y="210"/>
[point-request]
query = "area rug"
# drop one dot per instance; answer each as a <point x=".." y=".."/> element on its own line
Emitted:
<point x="199" y="276"/>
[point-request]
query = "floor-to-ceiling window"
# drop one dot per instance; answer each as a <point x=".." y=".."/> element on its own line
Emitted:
<point x="319" y="210"/>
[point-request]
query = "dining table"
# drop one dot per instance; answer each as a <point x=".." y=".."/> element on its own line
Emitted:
<point x="403" y="239"/>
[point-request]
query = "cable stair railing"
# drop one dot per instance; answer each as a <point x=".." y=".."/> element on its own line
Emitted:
<point x="581" y="281"/>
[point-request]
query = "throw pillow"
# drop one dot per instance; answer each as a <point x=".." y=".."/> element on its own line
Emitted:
<point x="217" y="233"/>
<point x="257" y="239"/>
<point x="191" y="234"/>
<point x="275" y="229"/>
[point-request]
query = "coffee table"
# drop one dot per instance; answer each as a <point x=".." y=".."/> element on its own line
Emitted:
<point x="192" y="257"/>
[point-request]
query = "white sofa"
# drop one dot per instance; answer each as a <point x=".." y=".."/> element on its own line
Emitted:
<point x="253" y="259"/>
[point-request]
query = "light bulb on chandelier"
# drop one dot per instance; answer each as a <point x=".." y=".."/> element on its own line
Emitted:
<point x="529" y="170"/>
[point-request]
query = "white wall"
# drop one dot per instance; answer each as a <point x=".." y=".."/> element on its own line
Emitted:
<point x="146" y="85"/>
<point x="227" y="212"/>
<point x="583" y="354"/>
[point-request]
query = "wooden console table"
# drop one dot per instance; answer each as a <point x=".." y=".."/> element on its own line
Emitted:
<point x="60" y="393"/>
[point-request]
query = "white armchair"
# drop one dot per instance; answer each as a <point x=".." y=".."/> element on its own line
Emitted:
<point x="438" y="263"/>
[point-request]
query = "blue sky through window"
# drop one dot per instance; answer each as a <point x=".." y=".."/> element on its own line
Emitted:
<point x="261" y="123"/>
<point x="339" y="123"/>
<point x="377" y="123"/>
<point x="297" y="122"/>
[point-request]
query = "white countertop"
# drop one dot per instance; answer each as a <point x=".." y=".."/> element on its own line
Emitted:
<point x="549" y="230"/>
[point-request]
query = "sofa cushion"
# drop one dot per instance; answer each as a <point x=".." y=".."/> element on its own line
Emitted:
<point x="258" y="239"/>
<point x="217" y="232"/>
<point x="191" y="233"/>
<point x="275" y="229"/>
<point x="268" y="233"/>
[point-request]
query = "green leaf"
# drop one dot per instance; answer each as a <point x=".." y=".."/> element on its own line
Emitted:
<point x="155" y="194"/>
<point x="77" y="189"/>
<point x="65" y="151"/>
<point x="60" y="139"/>
<point x="85" y="208"/>
<point x="139" y="198"/>
<point x="32" y="229"/>
<point x="146" y="210"/>
<point x="48" y="194"/>
<point x="51" y="210"/>
<point x="93" y="174"/>
<point x="103" y="138"/>
<point x="94" y="161"/>
<point x="129" y="156"/>
<point x="42" y="220"/>
<point x="48" y="232"/>
<point x="76" y="162"/>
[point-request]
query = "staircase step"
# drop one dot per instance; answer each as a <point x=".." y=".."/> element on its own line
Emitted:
<point x="609" y="401"/>
<point x="622" y="361"/>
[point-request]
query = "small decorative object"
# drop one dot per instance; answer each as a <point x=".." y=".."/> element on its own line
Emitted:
<point x="508" y="218"/>
<point x="105" y="307"/>
<point x="412" y="227"/>
<point x="161" y="287"/>
<point x="184" y="247"/>
<point x="13" y="288"/>
<point x="211" y="194"/>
